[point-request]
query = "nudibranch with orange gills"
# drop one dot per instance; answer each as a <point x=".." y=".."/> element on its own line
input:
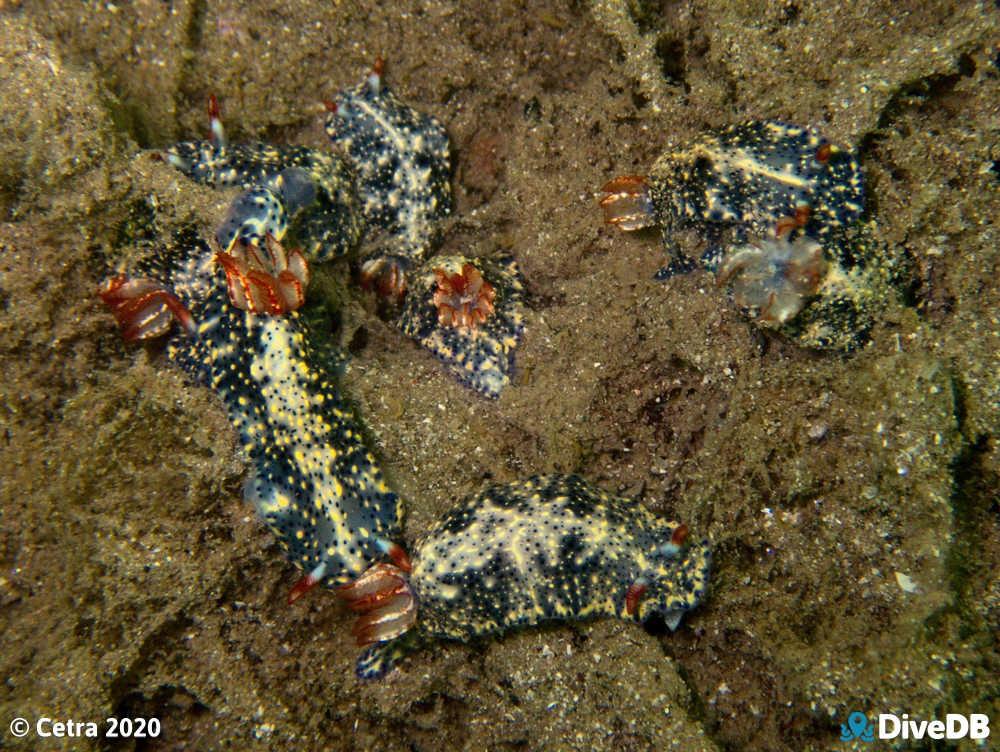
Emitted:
<point x="780" y="208"/>
<point x="470" y="313"/>
<point x="750" y="176"/>
<point x="312" y="479"/>
<point x="387" y="180"/>
<point x="548" y="548"/>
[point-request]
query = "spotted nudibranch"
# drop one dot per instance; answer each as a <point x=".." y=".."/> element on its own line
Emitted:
<point x="780" y="207"/>
<point x="403" y="163"/>
<point x="551" y="547"/>
<point x="470" y="313"/>
<point x="306" y="192"/>
<point x="751" y="175"/>
<point x="312" y="479"/>
<point x="388" y="179"/>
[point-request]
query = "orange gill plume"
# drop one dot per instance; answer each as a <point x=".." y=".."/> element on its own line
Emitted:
<point x="387" y="600"/>
<point x="143" y="307"/>
<point x="775" y="276"/>
<point x="269" y="280"/>
<point x="628" y="207"/>
<point x="386" y="275"/>
<point x="463" y="299"/>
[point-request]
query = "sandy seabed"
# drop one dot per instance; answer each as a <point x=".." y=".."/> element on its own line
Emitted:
<point x="852" y="501"/>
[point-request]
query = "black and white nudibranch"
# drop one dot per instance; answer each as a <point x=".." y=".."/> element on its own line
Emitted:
<point x="403" y="163"/>
<point x="310" y="193"/>
<point x="752" y="175"/>
<point x="312" y="478"/>
<point x="386" y="180"/>
<point x="470" y="313"/>
<point x="551" y="547"/>
<point x="780" y="207"/>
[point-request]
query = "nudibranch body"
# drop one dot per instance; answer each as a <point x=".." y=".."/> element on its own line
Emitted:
<point x="751" y="175"/>
<point x="551" y="547"/>
<point x="312" y="479"/>
<point x="470" y="313"/>
<point x="780" y="206"/>
<point x="309" y="192"/>
<point x="388" y="180"/>
<point x="403" y="163"/>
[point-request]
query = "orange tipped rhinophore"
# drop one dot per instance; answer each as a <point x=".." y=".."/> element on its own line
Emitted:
<point x="272" y="281"/>
<point x="680" y="535"/>
<point x="143" y="307"/>
<point x="634" y="594"/>
<point x="215" y="123"/>
<point x="387" y="599"/>
<point x="628" y="205"/>
<point x="399" y="557"/>
<point x="307" y="583"/>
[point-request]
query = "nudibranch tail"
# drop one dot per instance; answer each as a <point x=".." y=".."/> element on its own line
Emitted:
<point x="144" y="308"/>
<point x="628" y="206"/>
<point x="388" y="601"/>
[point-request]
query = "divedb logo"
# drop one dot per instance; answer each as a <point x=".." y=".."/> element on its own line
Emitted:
<point x="891" y="726"/>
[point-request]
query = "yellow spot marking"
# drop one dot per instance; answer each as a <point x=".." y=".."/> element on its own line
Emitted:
<point x="745" y="162"/>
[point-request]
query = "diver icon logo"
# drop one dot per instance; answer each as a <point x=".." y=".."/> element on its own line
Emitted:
<point x="857" y="727"/>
